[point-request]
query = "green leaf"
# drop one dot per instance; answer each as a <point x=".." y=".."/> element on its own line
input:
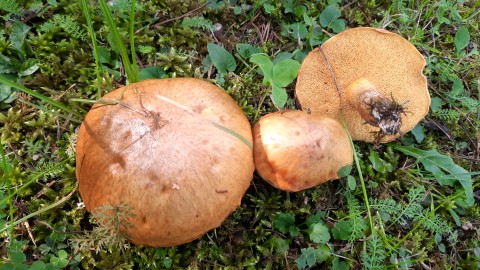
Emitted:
<point x="351" y="182"/>
<point x="339" y="265"/>
<point x="437" y="164"/>
<point x="38" y="265"/>
<point x="307" y="258"/>
<point x="312" y="219"/>
<point x="338" y="25"/>
<point x="284" y="221"/>
<point x="377" y="163"/>
<point x="29" y="67"/>
<point x="152" y="72"/>
<point x="17" y="257"/>
<point x="247" y="50"/>
<point x="341" y="230"/>
<point x="417" y="132"/>
<point x="17" y="38"/>
<point x="436" y="104"/>
<point x="281" y="245"/>
<point x="462" y="38"/>
<point x="319" y="233"/>
<point x="221" y="58"/>
<point x="344" y="171"/>
<point x="322" y="253"/>
<point x="53" y="3"/>
<point x="265" y="64"/>
<point x="285" y="71"/>
<point x="329" y="14"/>
<point x="279" y="96"/>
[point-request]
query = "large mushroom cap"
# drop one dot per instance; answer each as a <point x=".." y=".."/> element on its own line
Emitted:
<point x="294" y="150"/>
<point x="177" y="152"/>
<point x="376" y="58"/>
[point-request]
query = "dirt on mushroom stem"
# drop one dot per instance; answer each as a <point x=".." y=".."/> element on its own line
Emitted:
<point x="383" y="113"/>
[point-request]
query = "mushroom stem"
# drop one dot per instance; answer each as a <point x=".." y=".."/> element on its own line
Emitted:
<point x="375" y="108"/>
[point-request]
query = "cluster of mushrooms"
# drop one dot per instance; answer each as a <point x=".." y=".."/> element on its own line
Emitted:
<point x="180" y="152"/>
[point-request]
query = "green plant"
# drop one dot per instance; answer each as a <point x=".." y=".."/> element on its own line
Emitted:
<point x="278" y="74"/>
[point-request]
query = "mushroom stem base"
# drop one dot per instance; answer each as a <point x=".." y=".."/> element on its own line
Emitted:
<point x="375" y="108"/>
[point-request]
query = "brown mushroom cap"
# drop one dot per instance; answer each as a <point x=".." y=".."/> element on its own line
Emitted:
<point x="388" y="62"/>
<point x="294" y="150"/>
<point x="177" y="152"/>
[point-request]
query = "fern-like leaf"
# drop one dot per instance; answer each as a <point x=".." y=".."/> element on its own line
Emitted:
<point x="197" y="22"/>
<point x="373" y="254"/>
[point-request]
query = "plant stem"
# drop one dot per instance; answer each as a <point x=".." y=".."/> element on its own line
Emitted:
<point x="360" y="174"/>
<point x="96" y="54"/>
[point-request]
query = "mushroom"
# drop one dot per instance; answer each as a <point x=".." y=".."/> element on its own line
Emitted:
<point x="294" y="150"/>
<point x="176" y="152"/>
<point x="372" y="77"/>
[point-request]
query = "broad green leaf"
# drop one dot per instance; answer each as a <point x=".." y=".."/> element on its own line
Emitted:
<point x="104" y="55"/>
<point x="284" y="221"/>
<point x="341" y="230"/>
<point x="377" y="162"/>
<point x="319" y="233"/>
<point x="417" y="132"/>
<point x="53" y="3"/>
<point x="437" y="164"/>
<point x="322" y="253"/>
<point x="285" y="71"/>
<point x="247" y="50"/>
<point x="299" y="31"/>
<point x="152" y="72"/>
<point x="5" y="93"/>
<point x="328" y="15"/>
<point x="462" y="38"/>
<point x="313" y="219"/>
<point x="351" y="182"/>
<point x="265" y="64"/>
<point x="344" y="171"/>
<point x="338" y="25"/>
<point x="17" y="256"/>
<point x="308" y="258"/>
<point x="282" y="56"/>
<point x="339" y="265"/>
<point x="436" y="104"/>
<point x="38" y="265"/>
<point x="17" y="38"/>
<point x="29" y="67"/>
<point x="281" y="245"/>
<point x="221" y="58"/>
<point x="279" y="96"/>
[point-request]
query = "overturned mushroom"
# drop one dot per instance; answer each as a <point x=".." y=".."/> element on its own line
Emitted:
<point x="372" y="77"/>
<point x="177" y="152"/>
<point x="294" y="150"/>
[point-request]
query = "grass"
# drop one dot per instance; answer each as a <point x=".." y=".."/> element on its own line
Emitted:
<point x="409" y="204"/>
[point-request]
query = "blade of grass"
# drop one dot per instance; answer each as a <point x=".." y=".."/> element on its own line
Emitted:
<point x="39" y="96"/>
<point x="42" y="108"/>
<point x="360" y="174"/>
<point x="132" y="75"/>
<point x="132" y="37"/>
<point x="6" y="173"/>
<point x="96" y="54"/>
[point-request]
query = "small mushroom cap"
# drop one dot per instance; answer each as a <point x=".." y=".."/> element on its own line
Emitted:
<point x="294" y="150"/>
<point x="388" y="61"/>
<point x="171" y="151"/>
